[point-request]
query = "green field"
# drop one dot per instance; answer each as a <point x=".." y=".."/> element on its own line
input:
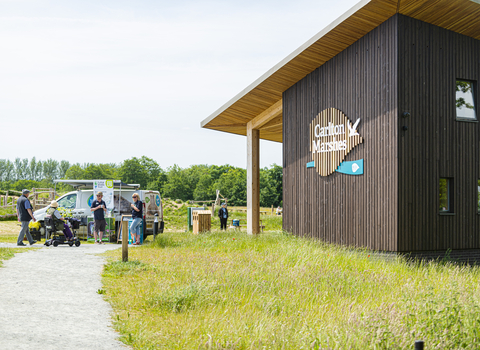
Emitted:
<point x="175" y="216"/>
<point x="229" y="290"/>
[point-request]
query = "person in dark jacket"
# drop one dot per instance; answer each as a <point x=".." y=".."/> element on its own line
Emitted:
<point x="99" y="208"/>
<point x="137" y="216"/>
<point x="25" y="214"/>
<point x="223" y="215"/>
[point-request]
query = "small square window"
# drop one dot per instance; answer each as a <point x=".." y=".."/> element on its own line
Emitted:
<point x="465" y="100"/>
<point x="445" y="195"/>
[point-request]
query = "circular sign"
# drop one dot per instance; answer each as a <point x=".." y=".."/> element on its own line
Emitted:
<point x="90" y="200"/>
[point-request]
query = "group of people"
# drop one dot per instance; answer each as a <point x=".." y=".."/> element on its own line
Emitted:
<point x="98" y="207"/>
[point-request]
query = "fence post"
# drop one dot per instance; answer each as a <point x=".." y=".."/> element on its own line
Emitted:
<point x="35" y="199"/>
<point x="419" y="344"/>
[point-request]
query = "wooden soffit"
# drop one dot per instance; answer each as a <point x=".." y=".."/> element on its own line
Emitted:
<point x="461" y="16"/>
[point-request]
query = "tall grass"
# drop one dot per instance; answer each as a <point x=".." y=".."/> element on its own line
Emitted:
<point x="276" y="291"/>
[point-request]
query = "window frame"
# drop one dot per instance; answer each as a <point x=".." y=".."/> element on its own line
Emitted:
<point x="474" y="92"/>
<point x="449" y="209"/>
<point x="478" y="195"/>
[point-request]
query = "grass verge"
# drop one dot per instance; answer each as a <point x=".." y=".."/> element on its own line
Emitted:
<point x="8" y="253"/>
<point x="9" y="231"/>
<point x="275" y="291"/>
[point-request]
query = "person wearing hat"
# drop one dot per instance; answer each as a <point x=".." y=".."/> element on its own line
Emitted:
<point x="59" y="221"/>
<point x="223" y="214"/>
<point x="25" y="214"/>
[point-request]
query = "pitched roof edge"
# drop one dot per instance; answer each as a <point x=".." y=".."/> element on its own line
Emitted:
<point x="287" y="59"/>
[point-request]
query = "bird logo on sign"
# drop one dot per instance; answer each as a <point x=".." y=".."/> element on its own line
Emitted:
<point x="332" y="137"/>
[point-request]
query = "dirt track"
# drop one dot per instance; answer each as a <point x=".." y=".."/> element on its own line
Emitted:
<point x="49" y="300"/>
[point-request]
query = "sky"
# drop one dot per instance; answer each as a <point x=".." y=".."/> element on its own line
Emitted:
<point x="104" y="81"/>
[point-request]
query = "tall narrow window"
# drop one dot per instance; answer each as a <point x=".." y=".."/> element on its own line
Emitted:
<point x="465" y="100"/>
<point x="445" y="195"/>
<point x="478" y="196"/>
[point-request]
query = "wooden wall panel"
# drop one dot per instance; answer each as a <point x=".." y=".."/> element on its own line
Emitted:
<point x="436" y="145"/>
<point x="349" y="210"/>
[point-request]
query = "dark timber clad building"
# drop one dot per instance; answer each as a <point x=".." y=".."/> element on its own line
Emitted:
<point x="379" y="125"/>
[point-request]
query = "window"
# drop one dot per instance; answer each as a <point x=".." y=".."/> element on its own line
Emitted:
<point x="465" y="101"/>
<point x="478" y="196"/>
<point x="445" y="195"/>
<point x="68" y="201"/>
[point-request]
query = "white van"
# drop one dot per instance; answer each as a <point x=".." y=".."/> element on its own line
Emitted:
<point x="80" y="201"/>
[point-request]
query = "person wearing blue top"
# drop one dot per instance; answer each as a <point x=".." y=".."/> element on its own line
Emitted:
<point x="223" y="214"/>
<point x="137" y="216"/>
<point x="25" y="214"/>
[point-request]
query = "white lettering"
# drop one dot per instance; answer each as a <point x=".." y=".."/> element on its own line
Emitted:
<point x="330" y="130"/>
<point x="316" y="146"/>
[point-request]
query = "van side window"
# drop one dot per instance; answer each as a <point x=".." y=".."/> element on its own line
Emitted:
<point x="68" y="201"/>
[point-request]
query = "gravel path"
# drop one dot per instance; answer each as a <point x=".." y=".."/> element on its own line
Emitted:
<point x="49" y="300"/>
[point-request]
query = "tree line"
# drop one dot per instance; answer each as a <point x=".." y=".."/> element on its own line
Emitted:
<point x="197" y="182"/>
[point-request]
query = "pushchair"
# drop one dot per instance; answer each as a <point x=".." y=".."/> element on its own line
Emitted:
<point x="55" y="237"/>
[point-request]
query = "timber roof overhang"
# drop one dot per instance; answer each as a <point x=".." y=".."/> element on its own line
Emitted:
<point x="261" y="102"/>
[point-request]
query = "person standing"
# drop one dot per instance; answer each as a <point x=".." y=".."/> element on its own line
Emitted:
<point x="137" y="216"/>
<point x="25" y="214"/>
<point x="223" y="214"/>
<point x="99" y="208"/>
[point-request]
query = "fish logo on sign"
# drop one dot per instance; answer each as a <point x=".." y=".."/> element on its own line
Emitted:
<point x="332" y="137"/>
<point x="351" y="168"/>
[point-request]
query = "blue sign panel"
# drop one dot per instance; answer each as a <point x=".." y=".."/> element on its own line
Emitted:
<point x="351" y="168"/>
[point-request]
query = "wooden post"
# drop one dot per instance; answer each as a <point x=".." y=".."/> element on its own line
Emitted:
<point x="124" y="240"/>
<point x="253" y="180"/>
<point x="35" y="199"/>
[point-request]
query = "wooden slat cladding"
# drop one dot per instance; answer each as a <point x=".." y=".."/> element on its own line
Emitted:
<point x="350" y="210"/>
<point x="436" y="145"/>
